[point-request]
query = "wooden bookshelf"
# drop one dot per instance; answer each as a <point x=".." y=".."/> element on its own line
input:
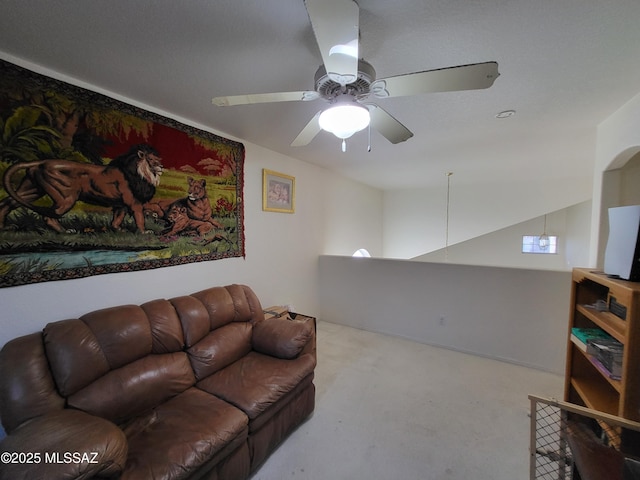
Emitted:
<point x="585" y="383"/>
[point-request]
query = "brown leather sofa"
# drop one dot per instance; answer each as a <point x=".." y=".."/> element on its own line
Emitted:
<point x="200" y="387"/>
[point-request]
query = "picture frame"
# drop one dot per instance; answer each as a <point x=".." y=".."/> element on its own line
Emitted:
<point x="278" y="192"/>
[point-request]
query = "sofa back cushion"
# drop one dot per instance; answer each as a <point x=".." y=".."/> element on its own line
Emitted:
<point x="217" y="325"/>
<point x="220" y="348"/>
<point x="118" y="361"/>
<point x="135" y="388"/>
<point x="166" y="330"/>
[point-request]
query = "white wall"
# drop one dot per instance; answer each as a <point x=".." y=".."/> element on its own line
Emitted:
<point x="503" y="247"/>
<point x="619" y="188"/>
<point x="618" y="140"/>
<point x="514" y="315"/>
<point x="333" y="215"/>
<point x="351" y="217"/>
<point x="414" y="220"/>
<point x="630" y="181"/>
<point x="577" y="242"/>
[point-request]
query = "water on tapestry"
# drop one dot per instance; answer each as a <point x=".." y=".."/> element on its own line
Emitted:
<point x="92" y="185"/>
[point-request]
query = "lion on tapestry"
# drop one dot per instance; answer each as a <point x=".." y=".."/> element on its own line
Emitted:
<point x="196" y="203"/>
<point x="125" y="185"/>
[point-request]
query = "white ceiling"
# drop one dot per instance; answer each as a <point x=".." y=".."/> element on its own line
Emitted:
<point x="565" y="66"/>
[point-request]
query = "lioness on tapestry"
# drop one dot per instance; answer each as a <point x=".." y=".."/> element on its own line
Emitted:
<point x="92" y="185"/>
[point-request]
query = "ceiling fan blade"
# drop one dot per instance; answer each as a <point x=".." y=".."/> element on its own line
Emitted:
<point x="464" y="77"/>
<point x="308" y="133"/>
<point x="265" y="98"/>
<point x="335" y="26"/>
<point x="387" y="125"/>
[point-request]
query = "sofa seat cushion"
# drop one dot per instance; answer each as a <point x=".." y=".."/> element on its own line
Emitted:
<point x="257" y="381"/>
<point x="180" y="436"/>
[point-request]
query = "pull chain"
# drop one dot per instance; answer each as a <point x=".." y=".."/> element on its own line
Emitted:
<point x="446" y="228"/>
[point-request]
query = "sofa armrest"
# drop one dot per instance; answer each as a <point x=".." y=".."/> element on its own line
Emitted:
<point x="66" y="444"/>
<point x="284" y="337"/>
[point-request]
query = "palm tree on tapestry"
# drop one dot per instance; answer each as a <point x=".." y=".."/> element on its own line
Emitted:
<point x="23" y="137"/>
<point x="38" y="124"/>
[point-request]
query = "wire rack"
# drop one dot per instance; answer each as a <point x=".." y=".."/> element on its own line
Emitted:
<point x="565" y="436"/>
<point x="550" y="456"/>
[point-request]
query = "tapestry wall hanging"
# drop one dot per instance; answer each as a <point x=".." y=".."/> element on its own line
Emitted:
<point x="92" y="185"/>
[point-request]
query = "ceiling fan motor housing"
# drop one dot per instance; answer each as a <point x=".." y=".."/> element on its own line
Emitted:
<point x="330" y="89"/>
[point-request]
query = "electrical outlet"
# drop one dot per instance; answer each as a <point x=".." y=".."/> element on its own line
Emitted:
<point x="441" y="320"/>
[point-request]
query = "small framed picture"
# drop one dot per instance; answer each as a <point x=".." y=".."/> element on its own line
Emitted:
<point x="278" y="192"/>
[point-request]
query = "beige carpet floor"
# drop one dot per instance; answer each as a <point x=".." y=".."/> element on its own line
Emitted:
<point x="390" y="408"/>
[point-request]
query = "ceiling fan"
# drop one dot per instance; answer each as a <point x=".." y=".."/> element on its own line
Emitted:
<point x="347" y="83"/>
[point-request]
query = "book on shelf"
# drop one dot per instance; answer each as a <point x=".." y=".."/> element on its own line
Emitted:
<point x="581" y="336"/>
<point x="608" y="352"/>
<point x="617" y="375"/>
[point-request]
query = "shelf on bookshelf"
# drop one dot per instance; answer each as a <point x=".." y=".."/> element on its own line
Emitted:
<point x="595" y="397"/>
<point x="611" y="324"/>
<point x="591" y="362"/>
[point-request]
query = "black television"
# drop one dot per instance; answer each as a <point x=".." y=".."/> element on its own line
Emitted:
<point x="622" y="254"/>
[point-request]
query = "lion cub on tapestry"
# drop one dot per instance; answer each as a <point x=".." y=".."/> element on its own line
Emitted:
<point x="181" y="223"/>
<point x="195" y="206"/>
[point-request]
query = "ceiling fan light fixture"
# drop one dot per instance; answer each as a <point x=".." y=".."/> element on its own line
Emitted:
<point x="344" y="119"/>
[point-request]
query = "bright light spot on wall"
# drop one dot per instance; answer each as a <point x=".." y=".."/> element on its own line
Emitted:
<point x="361" y="253"/>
